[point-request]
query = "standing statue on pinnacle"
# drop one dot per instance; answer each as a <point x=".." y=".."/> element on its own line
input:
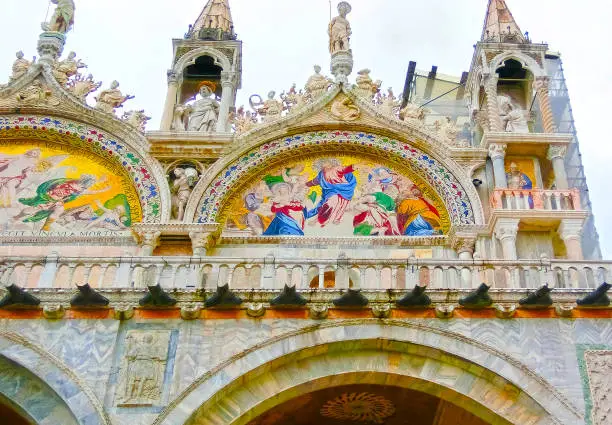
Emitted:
<point x="63" y="17"/>
<point x="340" y="30"/>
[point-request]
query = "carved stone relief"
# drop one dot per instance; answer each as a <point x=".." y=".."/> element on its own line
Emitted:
<point x="599" y="369"/>
<point x="141" y="376"/>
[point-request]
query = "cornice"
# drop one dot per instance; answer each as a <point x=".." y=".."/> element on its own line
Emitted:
<point x="490" y="138"/>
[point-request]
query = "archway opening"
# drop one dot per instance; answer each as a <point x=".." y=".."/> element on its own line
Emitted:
<point x="11" y="414"/>
<point x="367" y="404"/>
<point x="204" y="69"/>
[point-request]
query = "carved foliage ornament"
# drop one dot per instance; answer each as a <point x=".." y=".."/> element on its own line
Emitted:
<point x="599" y="369"/>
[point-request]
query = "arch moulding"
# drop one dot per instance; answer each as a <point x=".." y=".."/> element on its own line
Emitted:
<point x="190" y="57"/>
<point x="492" y="385"/>
<point x="526" y="61"/>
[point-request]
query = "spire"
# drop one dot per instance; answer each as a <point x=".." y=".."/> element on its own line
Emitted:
<point x="500" y="26"/>
<point x="214" y="23"/>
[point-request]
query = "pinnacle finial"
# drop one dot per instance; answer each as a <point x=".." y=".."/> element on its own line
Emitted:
<point x="214" y="23"/>
<point x="500" y="26"/>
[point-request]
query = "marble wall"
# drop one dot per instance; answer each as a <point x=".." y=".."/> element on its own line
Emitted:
<point x="96" y="351"/>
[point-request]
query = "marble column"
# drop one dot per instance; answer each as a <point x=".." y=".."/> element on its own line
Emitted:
<point x="506" y="230"/>
<point x="540" y="86"/>
<point x="556" y="155"/>
<point x="228" y="85"/>
<point x="490" y="85"/>
<point x="167" y="115"/>
<point x="465" y="250"/>
<point x="497" y="153"/>
<point x="570" y="231"/>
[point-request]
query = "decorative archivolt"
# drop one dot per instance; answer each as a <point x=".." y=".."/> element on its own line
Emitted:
<point x="146" y="175"/>
<point x="190" y="57"/>
<point x="527" y="62"/>
<point x="222" y="181"/>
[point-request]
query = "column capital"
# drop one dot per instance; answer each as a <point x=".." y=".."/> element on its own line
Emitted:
<point x="506" y="228"/>
<point x="229" y="78"/>
<point x="173" y="76"/>
<point x="541" y="83"/>
<point x="570" y="228"/>
<point x="556" y="151"/>
<point x="497" y="150"/>
<point x="201" y="242"/>
<point x="148" y="240"/>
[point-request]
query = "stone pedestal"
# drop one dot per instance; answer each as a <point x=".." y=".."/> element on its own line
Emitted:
<point x="50" y="46"/>
<point x="342" y="66"/>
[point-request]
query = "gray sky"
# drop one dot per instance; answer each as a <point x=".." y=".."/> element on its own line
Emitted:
<point x="130" y="40"/>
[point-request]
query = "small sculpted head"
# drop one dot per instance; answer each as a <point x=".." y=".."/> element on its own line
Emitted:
<point x="19" y="54"/>
<point x="344" y="9"/>
<point x="271" y="94"/>
<point x="317" y="68"/>
<point x="114" y="84"/>
<point x="71" y="55"/>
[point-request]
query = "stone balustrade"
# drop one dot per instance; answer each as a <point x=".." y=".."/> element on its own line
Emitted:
<point x="272" y="274"/>
<point x="536" y="199"/>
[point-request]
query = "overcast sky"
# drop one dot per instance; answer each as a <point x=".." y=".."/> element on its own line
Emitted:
<point x="130" y="40"/>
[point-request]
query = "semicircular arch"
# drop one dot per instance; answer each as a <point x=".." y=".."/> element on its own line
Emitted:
<point x="216" y="187"/>
<point x="27" y="367"/>
<point x="423" y="357"/>
<point x="130" y="159"/>
<point x="190" y="57"/>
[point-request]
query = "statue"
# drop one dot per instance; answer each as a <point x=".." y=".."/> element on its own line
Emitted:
<point x="137" y="119"/>
<point x="62" y="18"/>
<point x="37" y="94"/>
<point x="345" y="110"/>
<point x="340" y="30"/>
<point x="270" y="109"/>
<point x="447" y="130"/>
<point x="20" y="66"/>
<point x="293" y="99"/>
<point x="180" y="118"/>
<point x="185" y="180"/>
<point x="81" y="86"/>
<point x="414" y="114"/>
<point x="389" y="104"/>
<point x="317" y="84"/>
<point x="365" y="86"/>
<point x="65" y="69"/>
<point x="110" y="99"/>
<point x="513" y="119"/>
<point x="141" y="376"/>
<point x="243" y="120"/>
<point x="204" y="112"/>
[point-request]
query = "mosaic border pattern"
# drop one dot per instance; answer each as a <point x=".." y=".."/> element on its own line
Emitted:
<point x="432" y="171"/>
<point x="101" y="144"/>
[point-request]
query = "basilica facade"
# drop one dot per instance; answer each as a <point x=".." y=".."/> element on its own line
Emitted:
<point x="335" y="254"/>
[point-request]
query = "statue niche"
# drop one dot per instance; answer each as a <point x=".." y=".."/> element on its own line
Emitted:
<point x="182" y="180"/>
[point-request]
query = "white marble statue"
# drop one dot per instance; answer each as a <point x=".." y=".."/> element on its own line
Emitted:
<point x="388" y="104"/>
<point x="182" y="186"/>
<point x="340" y="30"/>
<point x="243" y="120"/>
<point x="180" y="118"/>
<point x="62" y="18"/>
<point x="270" y="109"/>
<point x="137" y="119"/>
<point x="513" y="119"/>
<point x="365" y="86"/>
<point x="447" y="130"/>
<point x="203" y="114"/>
<point x="81" y="86"/>
<point x="66" y="68"/>
<point x="317" y="84"/>
<point x="20" y="66"/>
<point x="110" y="99"/>
<point x="413" y="114"/>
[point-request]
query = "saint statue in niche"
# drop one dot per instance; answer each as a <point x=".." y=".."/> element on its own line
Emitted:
<point x="513" y="118"/>
<point x="183" y="180"/>
<point x="203" y="114"/>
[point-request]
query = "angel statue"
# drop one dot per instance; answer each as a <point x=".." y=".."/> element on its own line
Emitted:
<point x="66" y="68"/>
<point x="81" y="86"/>
<point x="270" y="109"/>
<point x="111" y="98"/>
<point x="63" y="17"/>
<point x="184" y="181"/>
<point x="20" y="66"/>
<point x="340" y="30"/>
